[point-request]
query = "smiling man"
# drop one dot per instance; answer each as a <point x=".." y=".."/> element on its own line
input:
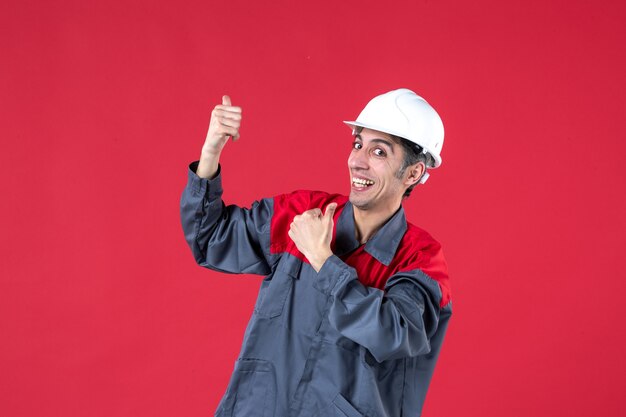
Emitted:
<point x="355" y="302"/>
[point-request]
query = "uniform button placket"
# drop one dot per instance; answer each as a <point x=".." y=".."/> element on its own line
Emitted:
<point x="313" y="356"/>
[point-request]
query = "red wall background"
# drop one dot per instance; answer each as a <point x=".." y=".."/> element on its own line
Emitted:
<point x="103" y="311"/>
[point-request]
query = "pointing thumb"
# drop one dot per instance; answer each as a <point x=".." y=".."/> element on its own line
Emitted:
<point x="226" y="101"/>
<point x="330" y="210"/>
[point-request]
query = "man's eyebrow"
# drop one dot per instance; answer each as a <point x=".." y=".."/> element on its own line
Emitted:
<point x="389" y="144"/>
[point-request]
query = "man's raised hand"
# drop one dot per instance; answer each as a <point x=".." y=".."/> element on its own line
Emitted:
<point x="224" y="124"/>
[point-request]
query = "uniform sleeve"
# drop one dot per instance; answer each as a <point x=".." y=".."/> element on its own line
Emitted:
<point x="224" y="238"/>
<point x="397" y="322"/>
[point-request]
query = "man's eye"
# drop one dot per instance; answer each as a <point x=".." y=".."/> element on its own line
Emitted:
<point x="357" y="145"/>
<point x="379" y="152"/>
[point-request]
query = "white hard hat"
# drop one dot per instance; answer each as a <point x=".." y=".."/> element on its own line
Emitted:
<point x="403" y="113"/>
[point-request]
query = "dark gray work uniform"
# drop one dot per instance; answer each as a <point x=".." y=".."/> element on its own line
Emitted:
<point x="359" y="338"/>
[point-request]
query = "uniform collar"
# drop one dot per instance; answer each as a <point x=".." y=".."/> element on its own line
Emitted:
<point x="382" y="245"/>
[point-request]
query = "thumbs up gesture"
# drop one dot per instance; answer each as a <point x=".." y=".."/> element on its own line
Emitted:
<point x="224" y="124"/>
<point x="312" y="233"/>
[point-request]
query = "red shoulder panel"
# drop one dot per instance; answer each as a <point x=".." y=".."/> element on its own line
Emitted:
<point x="419" y="250"/>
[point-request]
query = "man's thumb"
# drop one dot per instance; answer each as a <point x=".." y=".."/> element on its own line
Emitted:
<point x="226" y="101"/>
<point x="330" y="210"/>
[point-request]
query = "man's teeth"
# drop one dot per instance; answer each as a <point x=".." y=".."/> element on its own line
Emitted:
<point x="362" y="182"/>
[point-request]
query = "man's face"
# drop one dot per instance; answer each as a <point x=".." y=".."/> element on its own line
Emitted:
<point x="374" y="163"/>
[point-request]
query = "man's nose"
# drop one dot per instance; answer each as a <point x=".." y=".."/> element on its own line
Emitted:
<point x="357" y="160"/>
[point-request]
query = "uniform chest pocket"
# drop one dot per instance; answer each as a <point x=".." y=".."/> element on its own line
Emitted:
<point x="277" y="286"/>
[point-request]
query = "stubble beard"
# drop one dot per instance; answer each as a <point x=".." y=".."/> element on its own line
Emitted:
<point x="361" y="205"/>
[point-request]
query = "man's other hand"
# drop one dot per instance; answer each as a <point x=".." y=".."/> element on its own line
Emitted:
<point x="312" y="233"/>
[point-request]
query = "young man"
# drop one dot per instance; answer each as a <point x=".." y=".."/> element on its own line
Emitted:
<point x="353" y="310"/>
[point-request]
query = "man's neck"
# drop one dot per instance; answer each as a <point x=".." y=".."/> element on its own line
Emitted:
<point x="367" y="222"/>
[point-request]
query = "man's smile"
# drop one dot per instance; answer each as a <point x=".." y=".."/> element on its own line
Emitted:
<point x="358" y="182"/>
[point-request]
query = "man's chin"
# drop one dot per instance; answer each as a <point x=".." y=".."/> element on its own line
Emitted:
<point x="359" y="203"/>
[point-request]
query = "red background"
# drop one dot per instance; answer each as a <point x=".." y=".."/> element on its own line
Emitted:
<point x="103" y="311"/>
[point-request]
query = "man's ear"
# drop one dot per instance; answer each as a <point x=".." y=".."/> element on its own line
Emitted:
<point x="415" y="173"/>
